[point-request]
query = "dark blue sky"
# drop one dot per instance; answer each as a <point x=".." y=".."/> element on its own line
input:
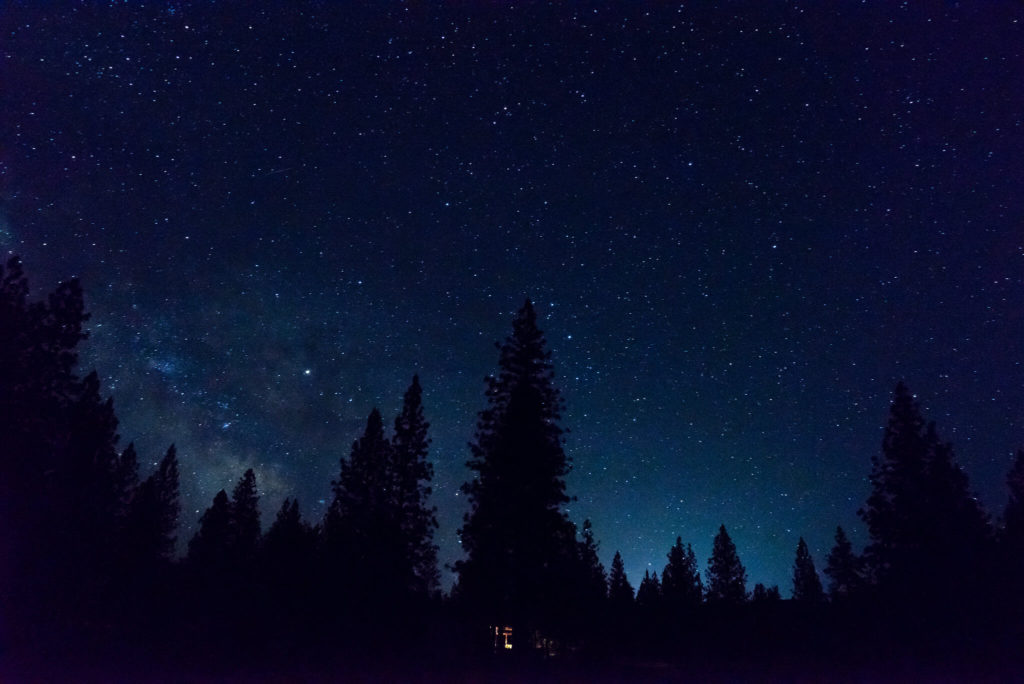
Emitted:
<point x="741" y="225"/>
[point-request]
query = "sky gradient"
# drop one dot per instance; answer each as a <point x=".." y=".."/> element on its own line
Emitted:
<point x="741" y="226"/>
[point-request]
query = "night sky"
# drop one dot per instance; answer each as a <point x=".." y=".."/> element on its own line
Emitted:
<point x="741" y="226"/>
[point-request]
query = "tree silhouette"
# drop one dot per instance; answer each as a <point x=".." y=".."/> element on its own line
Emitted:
<point x="928" y="532"/>
<point x="63" y="483"/>
<point x="245" y="520"/>
<point x="843" y="569"/>
<point x="516" y="536"/>
<point x="726" y="576"/>
<point x="648" y="595"/>
<point x="210" y="548"/>
<point x="763" y="594"/>
<point x="411" y="474"/>
<point x="1011" y="539"/>
<point x="806" y="583"/>
<point x="152" y="515"/>
<point x="1013" y="514"/>
<point x="681" y="586"/>
<point x="289" y="559"/>
<point x="592" y="581"/>
<point x="620" y="591"/>
<point x="362" y="528"/>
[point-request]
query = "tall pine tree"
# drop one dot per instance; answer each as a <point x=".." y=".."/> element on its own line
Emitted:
<point x="516" y="535"/>
<point x="844" y="569"/>
<point x="152" y="516"/>
<point x="362" y="528"/>
<point x="726" y="576"/>
<point x="620" y="591"/>
<point x="806" y="583"/>
<point x="412" y="472"/>
<point x="245" y="519"/>
<point x="928" y="533"/>
<point x="1013" y="515"/>
<point x="681" y="586"/>
<point x="648" y="595"/>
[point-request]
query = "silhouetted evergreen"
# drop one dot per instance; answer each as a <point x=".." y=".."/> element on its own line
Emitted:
<point x="763" y="594"/>
<point x="289" y="562"/>
<point x="246" y="531"/>
<point x="1012" y="534"/>
<point x="592" y="581"/>
<point x="155" y="509"/>
<point x="290" y="539"/>
<point x="928" y="533"/>
<point x="517" y="539"/>
<point x="648" y="595"/>
<point x="63" y="485"/>
<point x="806" y="583"/>
<point x="843" y="569"/>
<point x="362" y="529"/>
<point x="1011" y="544"/>
<point x="681" y="585"/>
<point x="210" y="547"/>
<point x="412" y="474"/>
<point x="620" y="591"/>
<point x="726" y="576"/>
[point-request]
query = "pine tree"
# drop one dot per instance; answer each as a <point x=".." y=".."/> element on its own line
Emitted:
<point x="289" y="537"/>
<point x="412" y="472"/>
<point x="209" y="550"/>
<point x="843" y="569"/>
<point x="1013" y="514"/>
<point x="289" y="568"/>
<point x="362" y="529"/>
<point x="928" y="532"/>
<point x="726" y="576"/>
<point x="516" y="536"/>
<point x="620" y="591"/>
<point x="592" y="582"/>
<point x="806" y="583"/>
<point x="245" y="519"/>
<point x="681" y="586"/>
<point x="152" y="518"/>
<point x="763" y="594"/>
<point x="648" y="596"/>
<point x="1011" y="536"/>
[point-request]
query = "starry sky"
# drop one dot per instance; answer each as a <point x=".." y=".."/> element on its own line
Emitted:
<point x="741" y="225"/>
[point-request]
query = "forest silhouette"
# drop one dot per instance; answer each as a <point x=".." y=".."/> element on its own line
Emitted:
<point x="91" y="582"/>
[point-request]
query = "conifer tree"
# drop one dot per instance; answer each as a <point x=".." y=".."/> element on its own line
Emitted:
<point x="362" y="528"/>
<point x="412" y="472"/>
<point x="289" y="536"/>
<point x="843" y="569"/>
<point x="1011" y="536"/>
<point x="592" y="582"/>
<point x="152" y="518"/>
<point x="648" y="595"/>
<point x="209" y="550"/>
<point x="516" y="535"/>
<point x="806" y="583"/>
<point x="928" y="532"/>
<point x="763" y="594"/>
<point x="620" y="591"/>
<point x="245" y="519"/>
<point x="726" y="576"/>
<point x="680" y="580"/>
<point x="126" y="477"/>
<point x="1013" y="514"/>
<point x="289" y="565"/>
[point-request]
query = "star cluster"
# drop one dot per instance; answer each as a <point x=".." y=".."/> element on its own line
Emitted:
<point x="741" y="225"/>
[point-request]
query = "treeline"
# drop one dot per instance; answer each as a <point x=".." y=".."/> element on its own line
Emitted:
<point x="89" y="544"/>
